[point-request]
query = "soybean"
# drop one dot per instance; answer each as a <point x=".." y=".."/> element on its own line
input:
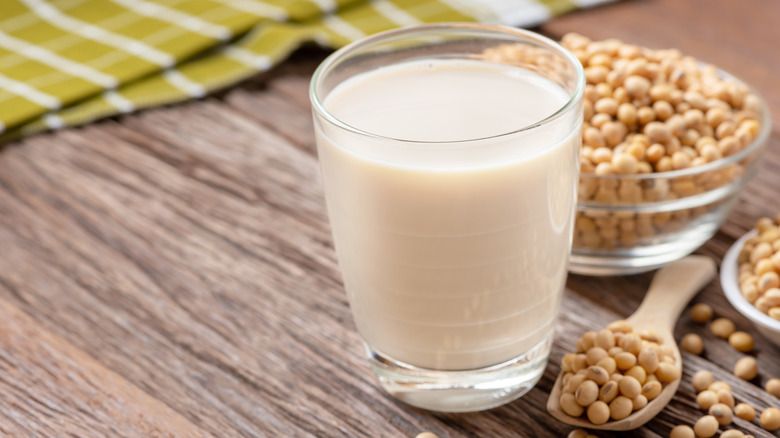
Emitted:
<point x="668" y="372"/>
<point x="701" y="313"/>
<point x="630" y="387"/>
<point x="725" y="397"/>
<point x="722" y="413"/>
<point x="605" y="339"/>
<point x="701" y="380"/>
<point x="648" y="359"/>
<point x="608" y="364"/>
<point x="719" y="385"/>
<point x="638" y="373"/>
<point x="595" y="354"/>
<point x="574" y="382"/>
<point x="770" y="419"/>
<point x="651" y="390"/>
<point x="639" y="402"/>
<point x="682" y="431"/>
<point x="745" y="411"/>
<point x="620" y="408"/>
<point x="706" y="399"/>
<point x="588" y="339"/>
<point x="620" y="326"/>
<point x="598" y="412"/>
<point x="706" y="426"/>
<point x="722" y="327"/>
<point x="597" y="374"/>
<point x="741" y="341"/>
<point x="609" y="391"/>
<point x="587" y="393"/>
<point x="570" y="406"/>
<point x="692" y="343"/>
<point x="746" y="368"/>
<point x="625" y="360"/>
<point x="773" y="387"/>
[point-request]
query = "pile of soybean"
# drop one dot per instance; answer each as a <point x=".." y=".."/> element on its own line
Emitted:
<point x="615" y="372"/>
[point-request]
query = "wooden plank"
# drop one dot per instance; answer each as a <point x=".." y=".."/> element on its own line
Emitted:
<point x="50" y="388"/>
<point x="174" y="255"/>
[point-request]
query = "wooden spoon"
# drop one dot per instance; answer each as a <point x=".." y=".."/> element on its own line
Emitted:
<point x="672" y="287"/>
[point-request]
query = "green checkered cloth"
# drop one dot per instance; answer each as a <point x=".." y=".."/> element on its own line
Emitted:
<point x="69" y="62"/>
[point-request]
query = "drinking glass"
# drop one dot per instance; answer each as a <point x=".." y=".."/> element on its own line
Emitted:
<point x="452" y="236"/>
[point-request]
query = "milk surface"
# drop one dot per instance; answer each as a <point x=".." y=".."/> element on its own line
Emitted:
<point x="453" y="253"/>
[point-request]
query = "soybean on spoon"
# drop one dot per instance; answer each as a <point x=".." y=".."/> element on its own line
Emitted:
<point x="671" y="289"/>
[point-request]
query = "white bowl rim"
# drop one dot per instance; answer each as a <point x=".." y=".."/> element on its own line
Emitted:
<point x="730" y="286"/>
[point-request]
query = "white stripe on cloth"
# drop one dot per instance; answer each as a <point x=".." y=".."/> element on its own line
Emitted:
<point x="343" y="28"/>
<point x="67" y="41"/>
<point x="53" y="121"/>
<point x="2" y="127"/>
<point x="259" y="62"/>
<point x="35" y="96"/>
<point x="257" y="8"/>
<point x="29" y="18"/>
<point x="522" y="13"/>
<point x="589" y="3"/>
<point x="394" y="13"/>
<point x="56" y="61"/>
<point x="182" y="19"/>
<point x="183" y="83"/>
<point x="118" y="101"/>
<point x="100" y="35"/>
<point x="473" y="9"/>
<point x="326" y="6"/>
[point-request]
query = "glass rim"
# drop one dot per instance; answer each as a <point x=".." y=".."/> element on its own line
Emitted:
<point x="488" y="29"/>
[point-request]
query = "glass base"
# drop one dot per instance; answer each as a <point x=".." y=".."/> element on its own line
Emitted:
<point x="462" y="391"/>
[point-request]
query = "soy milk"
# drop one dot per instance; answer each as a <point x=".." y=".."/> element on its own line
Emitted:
<point x="453" y="252"/>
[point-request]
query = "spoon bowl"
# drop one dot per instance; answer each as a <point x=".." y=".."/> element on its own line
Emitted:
<point x="671" y="289"/>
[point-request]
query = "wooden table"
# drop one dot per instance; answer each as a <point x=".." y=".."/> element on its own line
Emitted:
<point x="171" y="273"/>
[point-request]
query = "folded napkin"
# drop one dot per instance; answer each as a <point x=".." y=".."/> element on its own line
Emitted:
<point x="68" y="62"/>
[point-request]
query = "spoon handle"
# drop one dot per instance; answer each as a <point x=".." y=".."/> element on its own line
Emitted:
<point x="671" y="289"/>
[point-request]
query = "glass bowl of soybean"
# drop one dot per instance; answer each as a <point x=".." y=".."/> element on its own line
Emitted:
<point x="663" y="160"/>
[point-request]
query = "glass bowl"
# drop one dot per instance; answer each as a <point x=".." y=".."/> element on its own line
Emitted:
<point x="768" y="326"/>
<point x="659" y="217"/>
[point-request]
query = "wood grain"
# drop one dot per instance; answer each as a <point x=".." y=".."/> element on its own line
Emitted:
<point x="175" y="267"/>
<point x="49" y="388"/>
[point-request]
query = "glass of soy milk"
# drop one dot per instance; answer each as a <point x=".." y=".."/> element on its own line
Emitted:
<point x="450" y="160"/>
